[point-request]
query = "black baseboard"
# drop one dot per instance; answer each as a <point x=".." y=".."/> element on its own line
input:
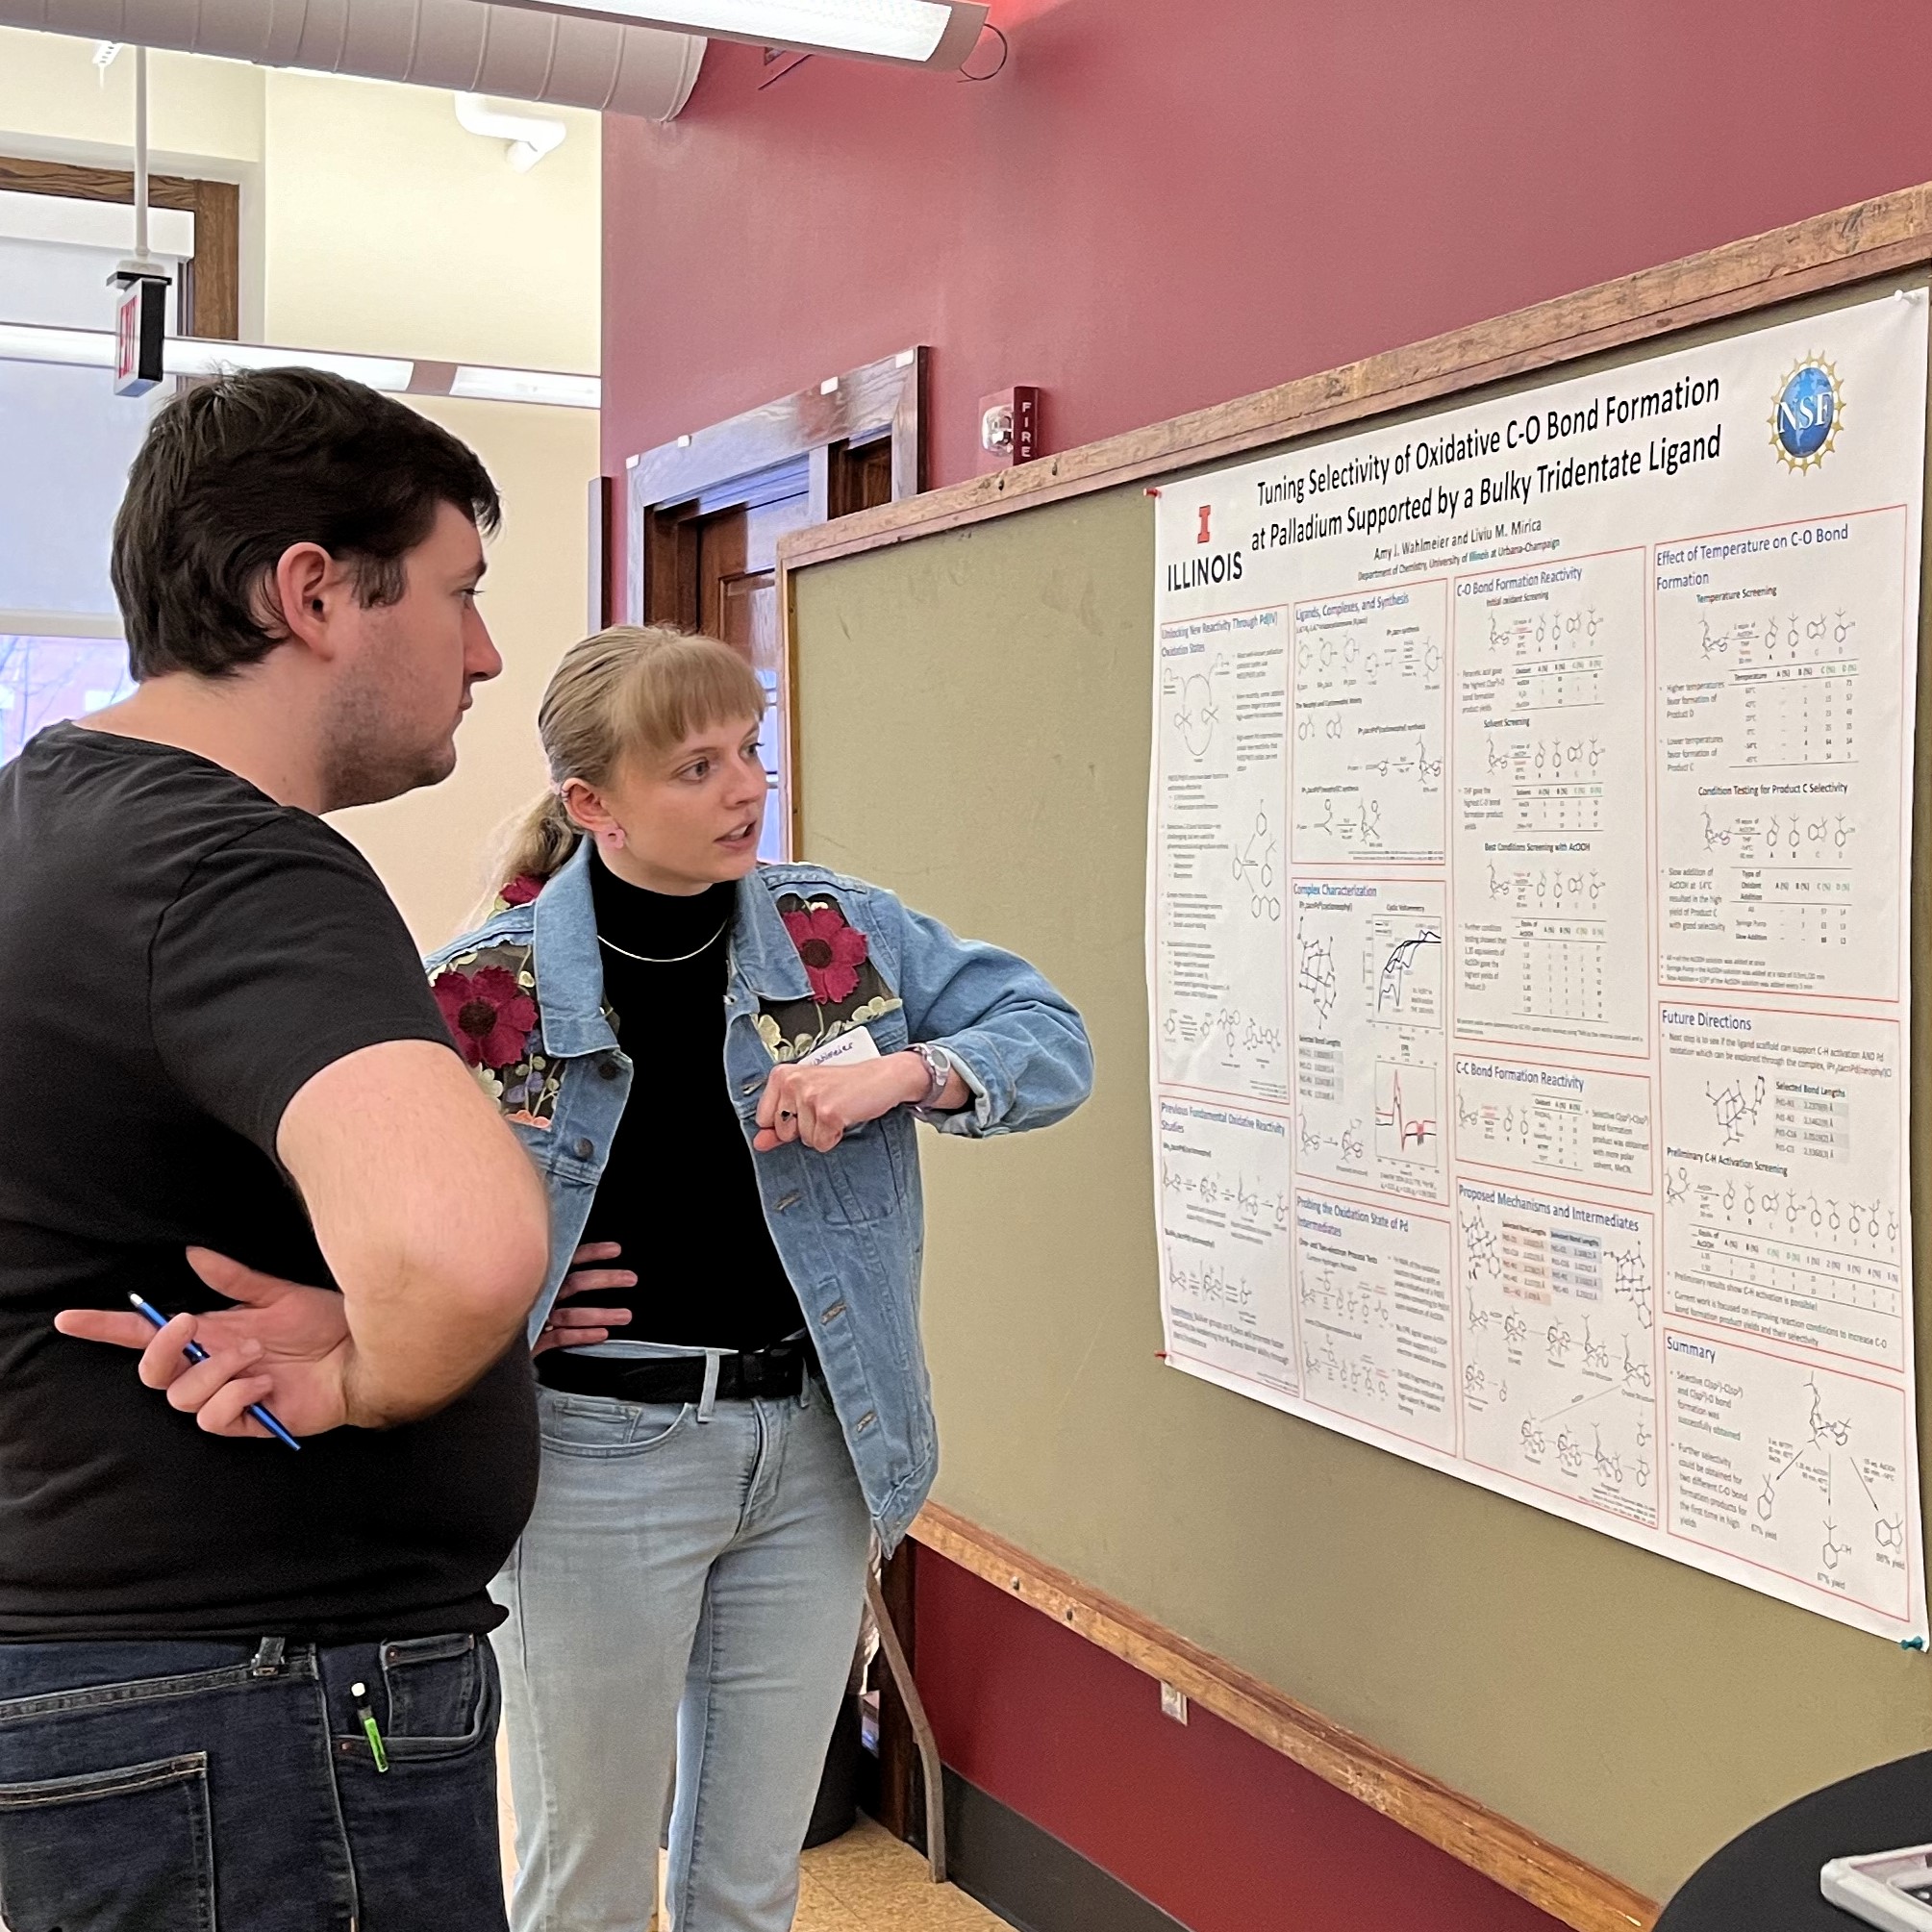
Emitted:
<point x="1029" y="1878"/>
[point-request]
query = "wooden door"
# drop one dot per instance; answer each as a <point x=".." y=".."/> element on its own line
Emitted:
<point x="738" y="601"/>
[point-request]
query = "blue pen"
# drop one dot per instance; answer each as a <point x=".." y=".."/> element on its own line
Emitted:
<point x="195" y="1352"/>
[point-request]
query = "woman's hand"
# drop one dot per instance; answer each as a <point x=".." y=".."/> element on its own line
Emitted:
<point x="819" y="1105"/>
<point x="578" y="1327"/>
<point x="281" y="1345"/>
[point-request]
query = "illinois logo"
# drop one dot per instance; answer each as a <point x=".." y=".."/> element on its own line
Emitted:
<point x="1809" y="409"/>
<point x="1201" y="536"/>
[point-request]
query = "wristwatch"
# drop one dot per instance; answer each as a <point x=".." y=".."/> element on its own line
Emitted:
<point x="939" y="1073"/>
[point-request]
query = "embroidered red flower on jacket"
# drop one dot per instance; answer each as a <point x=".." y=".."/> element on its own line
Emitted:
<point x="833" y="952"/>
<point x="489" y="1015"/>
<point x="521" y="890"/>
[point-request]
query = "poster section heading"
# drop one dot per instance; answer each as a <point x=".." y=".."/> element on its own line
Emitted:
<point x="1526" y="945"/>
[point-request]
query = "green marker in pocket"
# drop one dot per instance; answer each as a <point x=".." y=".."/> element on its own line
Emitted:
<point x="369" y="1731"/>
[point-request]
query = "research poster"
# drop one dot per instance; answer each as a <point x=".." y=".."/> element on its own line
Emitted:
<point x="1528" y="880"/>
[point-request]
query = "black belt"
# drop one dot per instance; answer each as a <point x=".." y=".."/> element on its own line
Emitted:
<point x="773" y="1374"/>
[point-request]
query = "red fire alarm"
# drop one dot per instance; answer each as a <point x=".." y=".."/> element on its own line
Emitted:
<point x="1009" y="428"/>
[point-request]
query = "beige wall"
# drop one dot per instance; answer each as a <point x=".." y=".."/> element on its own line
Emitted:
<point x="430" y="847"/>
<point x="391" y="230"/>
<point x="372" y="221"/>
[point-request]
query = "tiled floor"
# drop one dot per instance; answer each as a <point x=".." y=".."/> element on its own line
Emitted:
<point x="864" y="1882"/>
<point x="868" y="1882"/>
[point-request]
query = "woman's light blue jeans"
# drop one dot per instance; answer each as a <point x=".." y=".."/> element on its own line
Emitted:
<point x="682" y="1585"/>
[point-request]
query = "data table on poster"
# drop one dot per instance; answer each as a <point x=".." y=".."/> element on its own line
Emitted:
<point x="1529" y="990"/>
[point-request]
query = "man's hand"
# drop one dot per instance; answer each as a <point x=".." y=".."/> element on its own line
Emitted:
<point x="819" y="1105"/>
<point x="284" y="1345"/>
<point x="578" y="1327"/>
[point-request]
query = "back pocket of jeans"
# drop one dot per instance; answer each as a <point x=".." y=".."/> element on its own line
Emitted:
<point x="130" y="1846"/>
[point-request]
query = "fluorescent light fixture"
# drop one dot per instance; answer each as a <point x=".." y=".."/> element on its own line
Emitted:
<point x="926" y="33"/>
<point x="526" y="386"/>
<point x="399" y="375"/>
<point x="195" y="356"/>
<point x="78" y="348"/>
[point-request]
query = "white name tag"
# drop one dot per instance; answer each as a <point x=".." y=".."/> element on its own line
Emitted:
<point x="856" y="1045"/>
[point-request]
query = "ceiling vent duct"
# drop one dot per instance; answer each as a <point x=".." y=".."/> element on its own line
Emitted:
<point x="468" y="45"/>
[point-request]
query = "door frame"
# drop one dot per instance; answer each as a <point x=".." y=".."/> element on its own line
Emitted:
<point x="735" y="465"/>
<point x="210" y="292"/>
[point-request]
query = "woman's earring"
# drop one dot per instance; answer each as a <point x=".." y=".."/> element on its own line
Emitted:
<point x="615" y="837"/>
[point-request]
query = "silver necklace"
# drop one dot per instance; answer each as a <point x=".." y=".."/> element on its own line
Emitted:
<point x="645" y="958"/>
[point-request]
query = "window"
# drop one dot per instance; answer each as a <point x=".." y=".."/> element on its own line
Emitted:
<point x="66" y="437"/>
<point x="65" y="444"/>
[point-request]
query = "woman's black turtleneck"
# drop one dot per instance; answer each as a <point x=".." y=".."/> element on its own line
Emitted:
<point x="678" y="1192"/>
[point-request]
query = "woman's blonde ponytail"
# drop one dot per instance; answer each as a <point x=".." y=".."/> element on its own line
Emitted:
<point x="539" y="840"/>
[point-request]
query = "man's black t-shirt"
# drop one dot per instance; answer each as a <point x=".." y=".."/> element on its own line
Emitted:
<point x="179" y="955"/>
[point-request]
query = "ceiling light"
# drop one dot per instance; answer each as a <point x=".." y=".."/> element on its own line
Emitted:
<point x="926" y="33"/>
<point x="526" y="386"/>
<point x="193" y="356"/>
<point x="80" y="348"/>
<point x="399" y="375"/>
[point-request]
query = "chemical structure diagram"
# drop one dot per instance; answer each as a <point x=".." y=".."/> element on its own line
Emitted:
<point x="1392" y="982"/>
<point x="1359" y="1375"/>
<point x="1513" y="1125"/>
<point x="1357" y="824"/>
<point x="1797" y="1215"/>
<point x="1254" y="869"/>
<point x="1580" y="1370"/>
<point x="1527" y="637"/>
<point x="1348" y="1143"/>
<point x="1408" y="655"/>
<point x="1630" y="1280"/>
<point x="1736" y="1107"/>
<point x="1829" y="1437"/>
<point x="1548" y="889"/>
<point x="1778" y="637"/>
<point x="1181" y="1028"/>
<point x="1783" y="840"/>
<point x="1427" y="771"/>
<point x="1314" y="974"/>
<point x="1209" y="1282"/>
<point x="1556" y="758"/>
<point x="1196" y="707"/>
<point x="1332" y="727"/>
<point x="1249" y="1203"/>
<point x="1482" y="1246"/>
<point x="1243" y="1033"/>
<point x="1559" y="1339"/>
<point x="1349" y="1301"/>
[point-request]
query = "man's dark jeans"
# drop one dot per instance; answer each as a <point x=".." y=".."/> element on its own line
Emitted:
<point x="207" y="1786"/>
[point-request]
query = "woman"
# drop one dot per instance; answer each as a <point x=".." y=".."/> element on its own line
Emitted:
<point x="718" y="1067"/>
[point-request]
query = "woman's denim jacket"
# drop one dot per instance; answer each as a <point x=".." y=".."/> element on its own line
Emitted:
<point x="848" y="1226"/>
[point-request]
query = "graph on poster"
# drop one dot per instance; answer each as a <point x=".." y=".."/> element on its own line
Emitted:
<point x="1527" y="945"/>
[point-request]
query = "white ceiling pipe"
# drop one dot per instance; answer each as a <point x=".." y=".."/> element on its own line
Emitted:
<point x="471" y="47"/>
<point x="530" y="136"/>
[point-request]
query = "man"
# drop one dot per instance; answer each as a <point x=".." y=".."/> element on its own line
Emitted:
<point x="242" y="1683"/>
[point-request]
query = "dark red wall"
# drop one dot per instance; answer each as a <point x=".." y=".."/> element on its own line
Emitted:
<point x="1219" y="1831"/>
<point x="1161" y="204"/>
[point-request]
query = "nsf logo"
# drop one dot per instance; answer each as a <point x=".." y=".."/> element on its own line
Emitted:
<point x="1809" y="407"/>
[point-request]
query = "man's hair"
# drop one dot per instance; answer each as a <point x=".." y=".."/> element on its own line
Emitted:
<point x="236" y="471"/>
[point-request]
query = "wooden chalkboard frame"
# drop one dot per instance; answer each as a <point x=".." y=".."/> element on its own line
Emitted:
<point x="1883" y="236"/>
